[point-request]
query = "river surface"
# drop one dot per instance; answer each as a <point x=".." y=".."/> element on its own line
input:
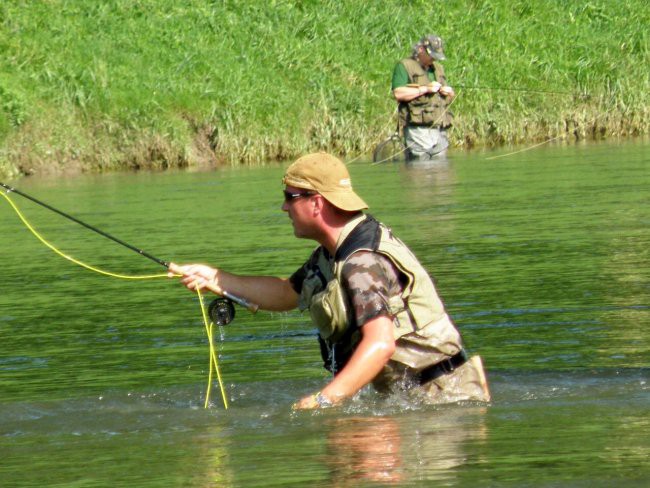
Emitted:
<point x="542" y="259"/>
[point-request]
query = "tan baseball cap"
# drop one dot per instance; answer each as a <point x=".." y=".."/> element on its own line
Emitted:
<point x="328" y="176"/>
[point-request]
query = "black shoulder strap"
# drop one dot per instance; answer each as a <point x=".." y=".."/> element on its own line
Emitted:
<point x="366" y="235"/>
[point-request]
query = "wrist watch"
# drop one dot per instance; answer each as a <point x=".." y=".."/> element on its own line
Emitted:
<point x="321" y="400"/>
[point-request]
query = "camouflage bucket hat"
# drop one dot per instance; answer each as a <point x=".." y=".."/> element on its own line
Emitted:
<point x="434" y="46"/>
<point x="328" y="176"/>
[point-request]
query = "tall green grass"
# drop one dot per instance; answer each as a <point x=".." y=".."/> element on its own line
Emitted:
<point x="89" y="85"/>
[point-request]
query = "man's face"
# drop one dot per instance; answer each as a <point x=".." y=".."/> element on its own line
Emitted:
<point x="299" y="206"/>
<point x="424" y="57"/>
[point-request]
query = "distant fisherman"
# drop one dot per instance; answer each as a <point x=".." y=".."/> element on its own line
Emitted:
<point x="420" y="87"/>
<point x="379" y="317"/>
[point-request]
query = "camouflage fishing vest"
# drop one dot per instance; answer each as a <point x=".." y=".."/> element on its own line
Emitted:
<point x="426" y="110"/>
<point x="419" y="318"/>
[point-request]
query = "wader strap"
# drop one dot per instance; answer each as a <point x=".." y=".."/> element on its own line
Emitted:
<point x="441" y="368"/>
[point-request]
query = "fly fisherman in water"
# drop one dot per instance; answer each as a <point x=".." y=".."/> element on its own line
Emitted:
<point x="378" y="315"/>
<point x="420" y="88"/>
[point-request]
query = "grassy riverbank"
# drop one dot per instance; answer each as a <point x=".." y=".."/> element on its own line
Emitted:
<point x="95" y="86"/>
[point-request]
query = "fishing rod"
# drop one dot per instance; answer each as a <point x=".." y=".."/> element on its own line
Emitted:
<point x="87" y="226"/>
<point x="525" y="90"/>
<point x="221" y="311"/>
<point x="496" y="88"/>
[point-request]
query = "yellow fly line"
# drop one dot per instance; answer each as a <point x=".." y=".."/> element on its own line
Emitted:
<point x="550" y="139"/>
<point x="524" y="149"/>
<point x="214" y="364"/>
<point x="209" y="326"/>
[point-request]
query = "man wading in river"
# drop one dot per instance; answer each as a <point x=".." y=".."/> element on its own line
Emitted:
<point x="379" y="317"/>
<point x="420" y="88"/>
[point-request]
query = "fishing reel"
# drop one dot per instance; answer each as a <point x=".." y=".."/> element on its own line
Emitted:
<point x="221" y="311"/>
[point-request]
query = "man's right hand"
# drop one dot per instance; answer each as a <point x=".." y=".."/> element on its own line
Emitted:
<point x="447" y="91"/>
<point x="195" y="276"/>
<point x="434" y="87"/>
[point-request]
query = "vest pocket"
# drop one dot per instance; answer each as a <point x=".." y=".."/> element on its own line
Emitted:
<point x="423" y="114"/>
<point x="329" y="311"/>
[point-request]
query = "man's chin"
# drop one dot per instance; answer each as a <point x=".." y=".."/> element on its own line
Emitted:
<point x="300" y="235"/>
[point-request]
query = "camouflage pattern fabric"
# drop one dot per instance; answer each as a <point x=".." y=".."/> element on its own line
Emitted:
<point x="370" y="280"/>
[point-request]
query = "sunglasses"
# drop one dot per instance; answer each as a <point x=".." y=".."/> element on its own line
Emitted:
<point x="290" y="197"/>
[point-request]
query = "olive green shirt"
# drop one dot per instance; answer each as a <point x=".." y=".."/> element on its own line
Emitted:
<point x="401" y="77"/>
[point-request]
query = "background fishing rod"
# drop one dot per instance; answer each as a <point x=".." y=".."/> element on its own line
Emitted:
<point x="524" y="90"/>
<point x="515" y="89"/>
<point x="221" y="311"/>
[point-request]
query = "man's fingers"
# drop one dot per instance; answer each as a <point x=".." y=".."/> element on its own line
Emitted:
<point x="174" y="269"/>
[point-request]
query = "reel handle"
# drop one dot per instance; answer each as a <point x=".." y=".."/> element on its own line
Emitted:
<point x="252" y="307"/>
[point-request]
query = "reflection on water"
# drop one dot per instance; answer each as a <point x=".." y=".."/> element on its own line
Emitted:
<point x="541" y="260"/>
<point x="364" y="449"/>
<point x="394" y="450"/>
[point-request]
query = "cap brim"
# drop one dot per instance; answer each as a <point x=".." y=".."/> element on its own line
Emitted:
<point x="436" y="56"/>
<point x="348" y="200"/>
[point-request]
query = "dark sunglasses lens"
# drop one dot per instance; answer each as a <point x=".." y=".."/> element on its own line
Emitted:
<point x="289" y="197"/>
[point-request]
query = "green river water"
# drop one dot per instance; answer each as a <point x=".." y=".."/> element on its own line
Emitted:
<point x="542" y="259"/>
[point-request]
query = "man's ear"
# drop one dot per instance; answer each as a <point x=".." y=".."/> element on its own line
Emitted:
<point x="319" y="203"/>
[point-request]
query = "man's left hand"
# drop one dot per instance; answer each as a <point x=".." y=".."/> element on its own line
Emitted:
<point x="317" y="400"/>
<point x="306" y="403"/>
<point x="447" y="91"/>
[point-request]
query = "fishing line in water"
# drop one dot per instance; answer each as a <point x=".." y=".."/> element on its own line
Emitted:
<point x="524" y="149"/>
<point x="551" y="139"/>
<point x="209" y="325"/>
